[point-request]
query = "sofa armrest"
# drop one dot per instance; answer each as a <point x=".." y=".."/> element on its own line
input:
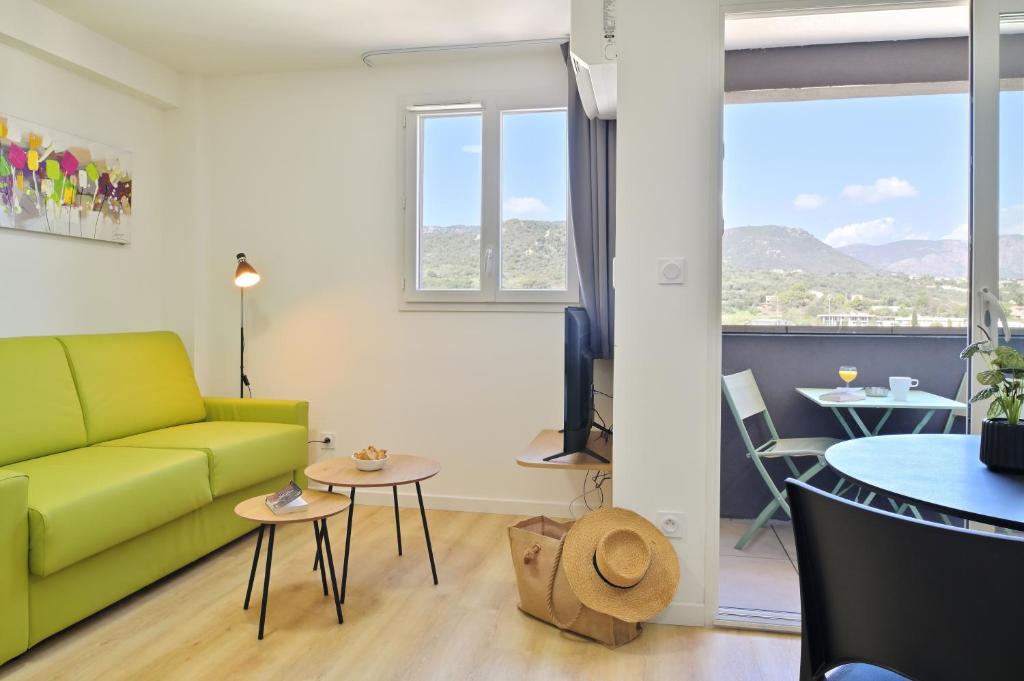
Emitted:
<point x="292" y="412"/>
<point x="13" y="564"/>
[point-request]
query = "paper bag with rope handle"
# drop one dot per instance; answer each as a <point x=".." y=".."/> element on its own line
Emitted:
<point x="544" y="592"/>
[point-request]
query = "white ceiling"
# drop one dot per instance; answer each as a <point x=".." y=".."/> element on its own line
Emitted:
<point x="845" y="27"/>
<point x="247" y="36"/>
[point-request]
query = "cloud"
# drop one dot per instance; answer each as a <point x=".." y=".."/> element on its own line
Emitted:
<point x="883" y="188"/>
<point x="959" y="233"/>
<point x="524" y="205"/>
<point x="808" y="201"/>
<point x="879" y="231"/>
<point x="471" y="148"/>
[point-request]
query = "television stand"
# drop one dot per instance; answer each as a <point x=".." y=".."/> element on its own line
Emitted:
<point x="587" y="451"/>
<point x="545" y="451"/>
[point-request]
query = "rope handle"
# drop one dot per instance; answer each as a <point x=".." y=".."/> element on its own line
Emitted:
<point x="530" y="553"/>
<point x="550" y="600"/>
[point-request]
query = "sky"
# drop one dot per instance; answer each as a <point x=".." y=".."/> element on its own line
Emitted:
<point x="533" y="171"/>
<point x="866" y="170"/>
<point x="861" y="170"/>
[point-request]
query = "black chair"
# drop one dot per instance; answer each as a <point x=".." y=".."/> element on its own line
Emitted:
<point x="885" y="595"/>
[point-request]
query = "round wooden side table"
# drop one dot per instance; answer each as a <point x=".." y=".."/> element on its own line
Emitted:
<point x="401" y="469"/>
<point x="321" y="506"/>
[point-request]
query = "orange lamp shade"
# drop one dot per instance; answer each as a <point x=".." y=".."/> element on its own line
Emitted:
<point x="245" y="274"/>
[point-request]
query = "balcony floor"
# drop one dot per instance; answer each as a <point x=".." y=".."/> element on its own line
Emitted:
<point x="763" y="576"/>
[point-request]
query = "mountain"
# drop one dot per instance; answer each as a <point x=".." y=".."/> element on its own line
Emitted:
<point x="1011" y="256"/>
<point x="774" y="247"/>
<point x="940" y="258"/>
<point x="533" y="255"/>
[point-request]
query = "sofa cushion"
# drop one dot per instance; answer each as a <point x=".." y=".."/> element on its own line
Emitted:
<point x="133" y="382"/>
<point x="39" y="409"/>
<point x="240" y="453"/>
<point x="87" y="500"/>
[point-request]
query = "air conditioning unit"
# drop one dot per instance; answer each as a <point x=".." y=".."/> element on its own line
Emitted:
<point x="594" y="54"/>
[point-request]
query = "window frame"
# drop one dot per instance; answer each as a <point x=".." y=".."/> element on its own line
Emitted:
<point x="490" y="295"/>
<point x="833" y="92"/>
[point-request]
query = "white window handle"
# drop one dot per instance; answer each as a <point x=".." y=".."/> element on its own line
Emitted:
<point x="994" y="315"/>
<point x="488" y="260"/>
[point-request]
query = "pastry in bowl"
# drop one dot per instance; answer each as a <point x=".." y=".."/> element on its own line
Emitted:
<point x="370" y="459"/>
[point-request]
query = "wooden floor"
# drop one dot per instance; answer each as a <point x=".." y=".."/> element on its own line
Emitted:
<point x="397" y="624"/>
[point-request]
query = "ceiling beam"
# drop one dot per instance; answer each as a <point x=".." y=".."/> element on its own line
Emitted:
<point x="53" y="37"/>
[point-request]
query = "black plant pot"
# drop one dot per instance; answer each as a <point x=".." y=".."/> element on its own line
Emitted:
<point x="1002" y="445"/>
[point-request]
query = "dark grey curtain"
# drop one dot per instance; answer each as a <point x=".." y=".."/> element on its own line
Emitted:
<point x="592" y="214"/>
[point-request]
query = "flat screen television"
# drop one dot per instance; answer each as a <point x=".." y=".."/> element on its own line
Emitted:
<point x="579" y="386"/>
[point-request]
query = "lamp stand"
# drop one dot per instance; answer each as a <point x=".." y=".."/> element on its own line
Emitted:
<point x="243" y="380"/>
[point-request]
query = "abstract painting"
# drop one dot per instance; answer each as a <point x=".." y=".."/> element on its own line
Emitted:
<point x="58" y="183"/>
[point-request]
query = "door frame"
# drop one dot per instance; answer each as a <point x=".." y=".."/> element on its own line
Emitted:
<point x="985" y="88"/>
<point x="734" y="9"/>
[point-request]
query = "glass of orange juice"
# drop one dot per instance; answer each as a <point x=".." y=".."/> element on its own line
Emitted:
<point x="848" y="374"/>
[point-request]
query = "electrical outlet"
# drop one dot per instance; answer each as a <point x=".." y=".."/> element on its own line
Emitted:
<point x="327" y="440"/>
<point x="672" y="524"/>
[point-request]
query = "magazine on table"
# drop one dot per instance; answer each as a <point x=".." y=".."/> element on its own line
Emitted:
<point x="287" y="500"/>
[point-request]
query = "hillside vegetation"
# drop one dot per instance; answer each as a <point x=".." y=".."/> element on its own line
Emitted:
<point x="770" y="272"/>
<point x="786" y="274"/>
<point x="533" y="256"/>
<point x="771" y="247"/>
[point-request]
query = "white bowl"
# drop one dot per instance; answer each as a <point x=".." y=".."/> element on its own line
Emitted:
<point x="370" y="465"/>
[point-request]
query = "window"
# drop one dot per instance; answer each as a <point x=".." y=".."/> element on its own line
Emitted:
<point x="847" y="213"/>
<point x="486" y="205"/>
<point x="534" y="238"/>
<point x="450" y="187"/>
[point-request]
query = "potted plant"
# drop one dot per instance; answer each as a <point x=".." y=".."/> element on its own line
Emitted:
<point x="1002" y="434"/>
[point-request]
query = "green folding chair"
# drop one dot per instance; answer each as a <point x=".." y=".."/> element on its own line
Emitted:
<point x="745" y="401"/>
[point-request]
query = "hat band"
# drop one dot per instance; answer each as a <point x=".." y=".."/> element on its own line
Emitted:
<point x="605" y="579"/>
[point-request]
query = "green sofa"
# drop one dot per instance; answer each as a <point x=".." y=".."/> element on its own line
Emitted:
<point x="115" y="471"/>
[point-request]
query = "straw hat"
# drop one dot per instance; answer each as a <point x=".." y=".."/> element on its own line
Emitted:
<point x="618" y="563"/>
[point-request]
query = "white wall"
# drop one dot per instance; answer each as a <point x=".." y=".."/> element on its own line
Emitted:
<point x="51" y="284"/>
<point x="305" y="178"/>
<point x="44" y="33"/>
<point x="301" y="171"/>
<point x="667" y="337"/>
<point x="185" y="209"/>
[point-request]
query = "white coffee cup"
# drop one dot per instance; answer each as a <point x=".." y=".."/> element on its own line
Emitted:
<point x="900" y="387"/>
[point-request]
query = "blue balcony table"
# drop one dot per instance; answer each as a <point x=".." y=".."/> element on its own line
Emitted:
<point x="917" y="399"/>
<point x="940" y="471"/>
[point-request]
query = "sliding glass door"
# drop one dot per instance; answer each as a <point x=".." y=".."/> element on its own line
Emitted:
<point x="997" y="174"/>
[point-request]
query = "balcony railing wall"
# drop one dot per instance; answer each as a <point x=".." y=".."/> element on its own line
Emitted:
<point x="782" y="362"/>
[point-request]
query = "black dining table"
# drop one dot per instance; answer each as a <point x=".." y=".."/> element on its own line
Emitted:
<point x="939" y="471"/>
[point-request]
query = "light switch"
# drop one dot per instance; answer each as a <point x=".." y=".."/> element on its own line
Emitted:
<point x="671" y="270"/>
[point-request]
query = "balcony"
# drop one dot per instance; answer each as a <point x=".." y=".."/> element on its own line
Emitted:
<point x="762" y="577"/>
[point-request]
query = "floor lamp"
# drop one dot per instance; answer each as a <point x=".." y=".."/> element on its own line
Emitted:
<point x="245" y="276"/>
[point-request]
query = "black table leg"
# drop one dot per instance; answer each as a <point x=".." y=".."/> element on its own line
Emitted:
<point x="252" y="573"/>
<point x="316" y="556"/>
<point x="348" y="541"/>
<point x="266" y="580"/>
<point x="330" y="562"/>
<point x="426" y="532"/>
<point x="398" y="522"/>
<point x="316" y="560"/>
<point x="319" y="555"/>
